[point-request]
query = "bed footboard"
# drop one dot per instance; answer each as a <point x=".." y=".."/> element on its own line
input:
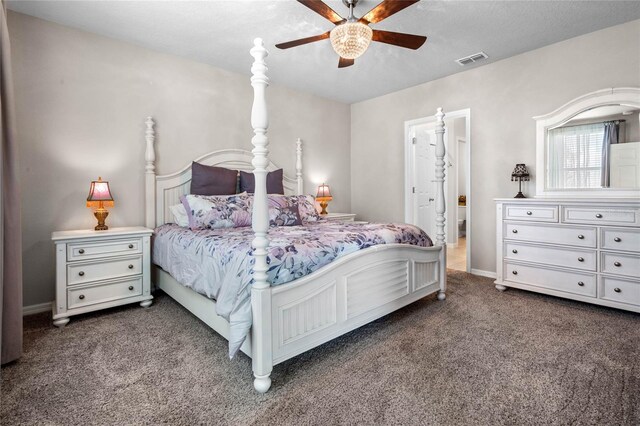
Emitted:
<point x="347" y="294"/>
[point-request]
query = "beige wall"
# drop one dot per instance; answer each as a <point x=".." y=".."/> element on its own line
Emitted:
<point x="503" y="97"/>
<point x="81" y="102"/>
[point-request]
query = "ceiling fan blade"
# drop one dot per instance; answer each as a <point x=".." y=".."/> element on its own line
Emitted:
<point x="409" y="41"/>
<point x="386" y="9"/>
<point x="343" y="62"/>
<point x="302" y="41"/>
<point x="322" y="9"/>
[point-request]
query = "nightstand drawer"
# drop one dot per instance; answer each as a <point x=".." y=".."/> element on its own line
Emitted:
<point x="101" y="249"/>
<point x="103" y="292"/>
<point x="79" y="273"/>
<point x="339" y="217"/>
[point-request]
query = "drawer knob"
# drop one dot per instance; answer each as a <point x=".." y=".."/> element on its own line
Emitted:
<point x="617" y="290"/>
<point x="81" y="273"/>
<point x="130" y="266"/>
<point x="529" y="213"/>
<point x="581" y="237"/>
<point x="130" y="287"/>
<point x="515" y="231"/>
<point x="81" y="251"/>
<point x="598" y="215"/>
<point x="81" y="297"/>
<point x="581" y="259"/>
<point x="617" y="264"/>
<point x="515" y="272"/>
<point x="580" y="283"/>
<point x="514" y="251"/>
<point x="130" y="245"/>
<point x="617" y="239"/>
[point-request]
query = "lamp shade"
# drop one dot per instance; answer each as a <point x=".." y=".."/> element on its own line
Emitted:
<point x="351" y="39"/>
<point x="99" y="192"/>
<point x="324" y="193"/>
<point x="520" y="173"/>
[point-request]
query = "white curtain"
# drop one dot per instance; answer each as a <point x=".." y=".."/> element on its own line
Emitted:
<point x="574" y="156"/>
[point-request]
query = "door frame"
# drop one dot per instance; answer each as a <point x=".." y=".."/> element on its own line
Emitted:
<point x="408" y="179"/>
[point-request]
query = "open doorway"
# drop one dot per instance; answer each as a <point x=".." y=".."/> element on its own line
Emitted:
<point x="420" y="188"/>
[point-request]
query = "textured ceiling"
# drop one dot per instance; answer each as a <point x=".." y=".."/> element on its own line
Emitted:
<point x="220" y="33"/>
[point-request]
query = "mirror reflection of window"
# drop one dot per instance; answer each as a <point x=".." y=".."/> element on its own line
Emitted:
<point x="598" y="148"/>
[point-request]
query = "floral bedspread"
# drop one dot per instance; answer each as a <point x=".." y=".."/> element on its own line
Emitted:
<point x="217" y="262"/>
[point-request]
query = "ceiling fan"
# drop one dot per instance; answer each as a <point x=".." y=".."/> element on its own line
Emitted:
<point x="350" y="37"/>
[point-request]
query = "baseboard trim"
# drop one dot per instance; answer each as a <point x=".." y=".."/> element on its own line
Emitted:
<point x="482" y="273"/>
<point x="36" y="309"/>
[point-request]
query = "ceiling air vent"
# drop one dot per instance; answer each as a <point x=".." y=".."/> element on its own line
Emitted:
<point x="472" y="58"/>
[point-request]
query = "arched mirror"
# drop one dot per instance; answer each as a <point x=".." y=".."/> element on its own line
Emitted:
<point x="591" y="146"/>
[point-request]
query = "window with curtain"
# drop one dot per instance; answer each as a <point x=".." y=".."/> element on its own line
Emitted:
<point x="575" y="156"/>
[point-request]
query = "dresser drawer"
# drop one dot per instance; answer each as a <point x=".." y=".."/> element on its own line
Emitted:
<point x="101" y="249"/>
<point x="582" y="283"/>
<point x="550" y="234"/>
<point x="620" y="264"/>
<point x="627" y="239"/>
<point x="619" y="290"/>
<point x="571" y="258"/>
<point x="531" y="212"/>
<point x="79" y="273"/>
<point x="600" y="216"/>
<point x="104" y="292"/>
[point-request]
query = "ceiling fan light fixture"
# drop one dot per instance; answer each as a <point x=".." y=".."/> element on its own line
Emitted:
<point x="351" y="39"/>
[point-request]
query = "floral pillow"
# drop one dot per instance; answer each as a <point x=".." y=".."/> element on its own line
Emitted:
<point x="217" y="211"/>
<point x="304" y="204"/>
<point x="284" y="216"/>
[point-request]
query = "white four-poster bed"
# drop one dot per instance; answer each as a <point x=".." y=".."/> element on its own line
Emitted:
<point x="292" y="318"/>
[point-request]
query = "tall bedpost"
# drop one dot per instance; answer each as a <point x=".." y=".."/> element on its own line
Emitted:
<point x="150" y="175"/>
<point x="261" y="351"/>
<point x="300" y="188"/>
<point x="440" y="201"/>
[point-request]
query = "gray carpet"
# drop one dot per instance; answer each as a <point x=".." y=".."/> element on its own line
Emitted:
<point x="480" y="357"/>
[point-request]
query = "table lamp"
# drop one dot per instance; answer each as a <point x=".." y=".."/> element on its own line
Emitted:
<point x="323" y="197"/>
<point x="99" y="198"/>
<point x="520" y="173"/>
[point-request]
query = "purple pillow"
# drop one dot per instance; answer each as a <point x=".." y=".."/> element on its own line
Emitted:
<point x="211" y="180"/>
<point x="274" y="182"/>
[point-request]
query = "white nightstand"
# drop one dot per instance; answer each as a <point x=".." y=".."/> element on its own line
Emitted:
<point x="344" y="217"/>
<point x="101" y="269"/>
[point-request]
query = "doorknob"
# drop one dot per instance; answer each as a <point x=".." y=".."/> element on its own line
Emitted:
<point x="432" y="199"/>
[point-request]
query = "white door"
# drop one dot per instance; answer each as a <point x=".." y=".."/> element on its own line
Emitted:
<point x="423" y="174"/>
<point x="625" y="165"/>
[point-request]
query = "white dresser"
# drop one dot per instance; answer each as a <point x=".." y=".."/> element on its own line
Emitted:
<point x="101" y="269"/>
<point x="587" y="250"/>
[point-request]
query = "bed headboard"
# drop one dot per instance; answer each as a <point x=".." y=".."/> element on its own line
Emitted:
<point x="165" y="190"/>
